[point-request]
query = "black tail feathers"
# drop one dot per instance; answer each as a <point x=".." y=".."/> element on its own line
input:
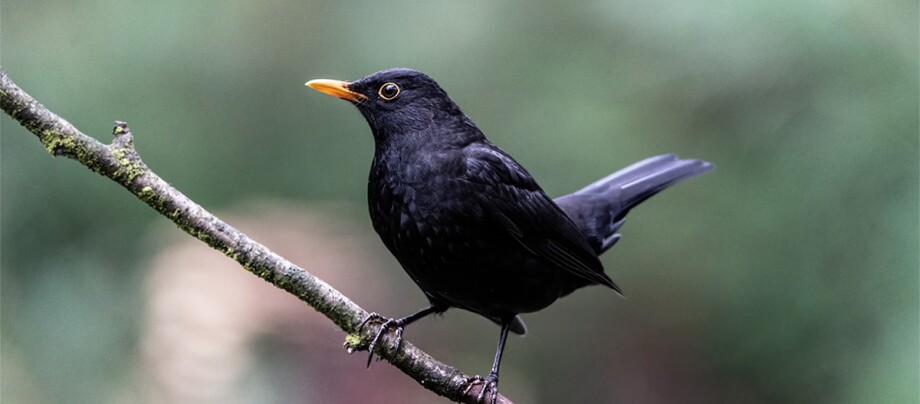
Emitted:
<point x="599" y="209"/>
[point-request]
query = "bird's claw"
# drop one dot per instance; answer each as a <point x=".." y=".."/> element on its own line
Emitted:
<point x="372" y="316"/>
<point x="489" y="383"/>
<point x="387" y="324"/>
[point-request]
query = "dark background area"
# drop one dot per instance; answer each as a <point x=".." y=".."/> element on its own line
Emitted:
<point x="788" y="275"/>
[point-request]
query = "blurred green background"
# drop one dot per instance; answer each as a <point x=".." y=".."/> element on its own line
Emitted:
<point x="788" y="275"/>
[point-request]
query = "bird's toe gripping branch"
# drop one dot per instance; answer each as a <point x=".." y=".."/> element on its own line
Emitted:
<point x="386" y="325"/>
<point x="484" y="384"/>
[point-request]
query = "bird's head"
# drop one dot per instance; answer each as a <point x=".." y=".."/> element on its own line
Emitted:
<point x="397" y="102"/>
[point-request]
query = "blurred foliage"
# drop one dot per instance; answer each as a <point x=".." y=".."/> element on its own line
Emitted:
<point x="790" y="274"/>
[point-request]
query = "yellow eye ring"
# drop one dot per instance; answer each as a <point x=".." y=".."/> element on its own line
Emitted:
<point x="388" y="91"/>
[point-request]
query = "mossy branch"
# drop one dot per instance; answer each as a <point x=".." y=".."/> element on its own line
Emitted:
<point x="120" y="162"/>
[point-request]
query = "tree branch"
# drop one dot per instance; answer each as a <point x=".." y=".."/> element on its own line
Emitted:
<point x="120" y="162"/>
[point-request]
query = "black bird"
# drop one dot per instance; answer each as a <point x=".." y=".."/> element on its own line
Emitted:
<point x="468" y="224"/>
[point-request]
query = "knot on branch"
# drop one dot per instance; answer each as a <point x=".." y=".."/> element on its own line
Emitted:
<point x="120" y="128"/>
<point x="129" y="164"/>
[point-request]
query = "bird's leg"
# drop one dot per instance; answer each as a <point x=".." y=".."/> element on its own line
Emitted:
<point x="490" y="382"/>
<point x="398" y="324"/>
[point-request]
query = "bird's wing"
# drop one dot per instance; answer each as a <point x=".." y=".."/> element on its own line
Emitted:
<point x="507" y="192"/>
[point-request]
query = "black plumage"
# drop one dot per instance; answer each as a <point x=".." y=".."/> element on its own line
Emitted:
<point x="469" y="225"/>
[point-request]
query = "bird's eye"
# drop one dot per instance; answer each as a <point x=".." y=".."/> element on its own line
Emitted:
<point x="388" y="91"/>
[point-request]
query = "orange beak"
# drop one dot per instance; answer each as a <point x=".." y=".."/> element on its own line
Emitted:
<point x="335" y="88"/>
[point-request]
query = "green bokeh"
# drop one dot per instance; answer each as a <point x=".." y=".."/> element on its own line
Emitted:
<point x="790" y="274"/>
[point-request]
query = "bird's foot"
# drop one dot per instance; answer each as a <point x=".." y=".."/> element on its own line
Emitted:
<point x="489" y="383"/>
<point x="388" y="323"/>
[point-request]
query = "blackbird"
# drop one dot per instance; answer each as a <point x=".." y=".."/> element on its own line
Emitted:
<point x="468" y="224"/>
